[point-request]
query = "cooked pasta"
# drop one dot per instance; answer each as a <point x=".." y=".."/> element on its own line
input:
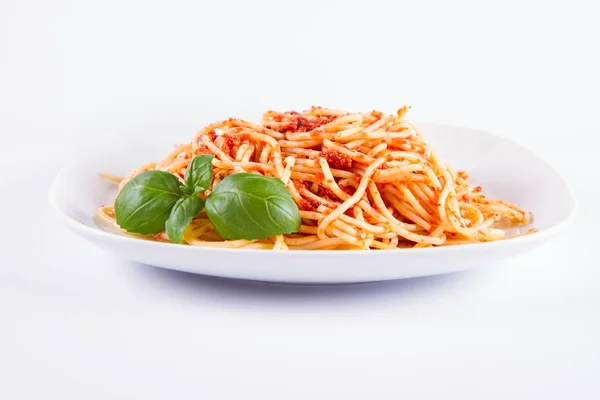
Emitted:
<point x="360" y="181"/>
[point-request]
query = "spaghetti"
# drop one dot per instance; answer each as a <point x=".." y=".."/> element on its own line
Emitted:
<point x="360" y="180"/>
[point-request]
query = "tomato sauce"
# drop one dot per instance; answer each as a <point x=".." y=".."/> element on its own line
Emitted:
<point x="298" y="123"/>
<point x="337" y="160"/>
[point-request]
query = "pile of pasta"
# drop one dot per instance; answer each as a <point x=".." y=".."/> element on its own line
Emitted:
<point x="360" y="180"/>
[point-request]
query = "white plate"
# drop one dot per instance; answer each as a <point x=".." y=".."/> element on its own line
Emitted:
<point x="502" y="167"/>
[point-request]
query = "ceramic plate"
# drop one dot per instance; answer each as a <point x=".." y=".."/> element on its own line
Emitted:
<point x="502" y="167"/>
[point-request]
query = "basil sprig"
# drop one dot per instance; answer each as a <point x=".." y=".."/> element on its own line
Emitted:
<point x="242" y="206"/>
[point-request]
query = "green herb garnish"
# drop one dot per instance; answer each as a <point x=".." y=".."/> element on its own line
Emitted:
<point x="242" y="206"/>
<point x="248" y="206"/>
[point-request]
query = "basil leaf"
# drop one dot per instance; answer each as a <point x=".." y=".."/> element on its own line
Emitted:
<point x="181" y="215"/>
<point x="186" y="190"/>
<point x="249" y="206"/>
<point x="144" y="203"/>
<point x="199" y="174"/>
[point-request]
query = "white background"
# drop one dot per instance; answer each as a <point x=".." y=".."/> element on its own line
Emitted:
<point x="76" y="323"/>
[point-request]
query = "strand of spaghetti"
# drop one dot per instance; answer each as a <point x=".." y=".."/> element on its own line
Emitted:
<point x="358" y="214"/>
<point x="366" y="146"/>
<point x="407" y="196"/>
<point x="319" y="244"/>
<point x="428" y="191"/>
<point x="355" y="221"/>
<point x="426" y="203"/>
<point x="258" y="128"/>
<point x="199" y="221"/>
<point x="225" y="243"/>
<point x="528" y="232"/>
<point x="309" y="222"/>
<point x="329" y="181"/>
<point x="205" y="131"/>
<point x="249" y="152"/>
<point x="349" y="182"/>
<point x="354" y="144"/>
<point x="377" y="149"/>
<point x="525" y="215"/>
<point x="274" y="149"/>
<point x="105" y="213"/>
<point x="264" y="154"/>
<point x="241" y="151"/>
<point x="435" y="232"/>
<point x="406" y="155"/>
<point x="212" y="147"/>
<point x="406" y="211"/>
<point x="473" y="233"/>
<point x="355" y="198"/>
<point x="179" y="150"/>
<point x="339" y="224"/>
<point x="246" y="165"/>
<point x="328" y="130"/>
<point x="355" y="155"/>
<point x="456" y="220"/>
<point x="289" y="164"/>
<point x="347" y="246"/>
<point x="305" y="177"/>
<point x="326" y="111"/>
<point x="401" y="113"/>
<point x="338" y="173"/>
<point x="378" y="217"/>
<point x="298" y="241"/>
<point x="511" y="205"/>
<point x="211" y="235"/>
<point x="381" y="245"/>
<point x="347" y="135"/>
<point x="258" y="148"/>
<point x="197" y="233"/>
<point x="308" y="229"/>
<point x="311" y="174"/>
<point x="175" y="166"/>
<point x="472" y="211"/>
<point x="398" y="133"/>
<point x="393" y="243"/>
<point x="311" y="215"/>
<point x="303" y="152"/>
<point x="348" y="238"/>
<point x="291" y="186"/>
<point x="111" y="177"/>
<point x="317" y="199"/>
<point x="446" y="190"/>
<point x="393" y="174"/>
<point x="397" y="225"/>
<point x="261" y="246"/>
<point x="496" y="208"/>
<point x="279" y="243"/>
<point x="378" y="124"/>
<point x="382" y="217"/>
<point x="386" y="235"/>
<point x="300" y="143"/>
